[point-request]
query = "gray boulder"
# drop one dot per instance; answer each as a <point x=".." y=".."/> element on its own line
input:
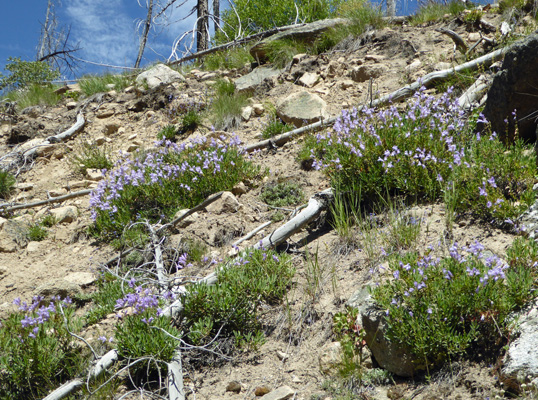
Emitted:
<point x="520" y="363"/>
<point x="391" y="356"/>
<point x="515" y="87"/>
<point x="307" y="33"/>
<point x="250" y="82"/>
<point x="302" y="108"/>
<point x="159" y="75"/>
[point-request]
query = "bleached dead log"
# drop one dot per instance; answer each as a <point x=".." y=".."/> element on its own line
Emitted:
<point x="104" y="363"/>
<point x="79" y="124"/>
<point x="474" y="93"/>
<point x="400" y="94"/>
<point x="159" y="264"/>
<point x="459" y="43"/>
<point x="176" y="390"/>
<point x="65" y="390"/>
<point x="8" y="207"/>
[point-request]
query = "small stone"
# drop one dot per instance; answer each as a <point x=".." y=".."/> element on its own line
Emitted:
<point x="82" y="279"/>
<point x="261" y="390"/>
<point x="209" y="76"/>
<point x="131" y="148"/>
<point x="227" y="203"/>
<point x="233" y="386"/>
<point x="100" y="140"/>
<point x="281" y="355"/>
<point x="296" y="379"/>
<point x="374" y="57"/>
<point x="474" y="37"/>
<point x="7" y="244"/>
<point x="414" y="66"/>
<point x="133" y="136"/>
<point x="24" y="186"/>
<point x="309" y="79"/>
<point x="3" y="270"/>
<point x="111" y="128"/>
<point x="71" y="105"/>
<point x="94" y="174"/>
<point x="297" y="58"/>
<point x="186" y="221"/>
<point x="365" y="72"/>
<point x="65" y="214"/>
<point x="246" y="113"/>
<point x="258" y="109"/>
<point x="282" y="393"/>
<point x="105" y="112"/>
<point x="33" y="247"/>
<point x="57" y="192"/>
<point x="78" y="184"/>
<point x="239" y="189"/>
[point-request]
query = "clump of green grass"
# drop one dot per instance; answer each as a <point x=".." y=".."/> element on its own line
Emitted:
<point x="7" y="183"/>
<point x="98" y="84"/>
<point x="275" y="127"/>
<point x="282" y="194"/>
<point x="34" y="95"/>
<point x="281" y="52"/>
<point x="167" y="133"/>
<point x="91" y="156"/>
<point x="226" y="106"/>
<point x="229" y="59"/>
<point x="434" y="11"/>
<point x="109" y="290"/>
<point x="441" y="308"/>
<point x="362" y="14"/>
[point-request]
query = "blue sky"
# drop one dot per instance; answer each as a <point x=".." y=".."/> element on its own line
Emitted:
<point x="105" y="30"/>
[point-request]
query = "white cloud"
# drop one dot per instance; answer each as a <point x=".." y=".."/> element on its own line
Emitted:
<point x="104" y="29"/>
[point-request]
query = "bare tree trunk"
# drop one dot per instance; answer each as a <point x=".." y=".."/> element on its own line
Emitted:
<point x="216" y="14"/>
<point x="144" y="37"/>
<point x="45" y="31"/>
<point x="391" y="8"/>
<point x="202" y="36"/>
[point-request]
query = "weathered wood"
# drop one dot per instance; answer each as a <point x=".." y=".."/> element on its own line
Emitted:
<point x="79" y="124"/>
<point x="176" y="390"/>
<point x="457" y="39"/>
<point x="251" y="233"/>
<point x="474" y="93"/>
<point x="9" y="208"/>
<point x="65" y="390"/>
<point x="104" y="363"/>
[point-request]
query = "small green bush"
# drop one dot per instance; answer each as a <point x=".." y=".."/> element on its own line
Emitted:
<point x="276" y="127"/>
<point x="26" y="73"/>
<point x="37" y="233"/>
<point x="226" y="106"/>
<point x="7" y="182"/>
<point x="109" y="290"/>
<point x="441" y="308"/>
<point x="37" y="353"/>
<point x="424" y="153"/>
<point x="282" y="194"/>
<point x="91" y="156"/>
<point x="231" y="307"/>
<point x="435" y="11"/>
<point x="167" y="133"/>
<point x="34" y="95"/>
<point x="158" y="184"/>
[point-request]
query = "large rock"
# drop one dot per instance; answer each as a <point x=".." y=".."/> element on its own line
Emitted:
<point x="250" y="82"/>
<point x="226" y="204"/>
<point x="391" y="356"/>
<point x="306" y="33"/>
<point x="521" y="358"/>
<point x="159" y="75"/>
<point x="515" y="87"/>
<point x="363" y="73"/>
<point x="302" y="108"/>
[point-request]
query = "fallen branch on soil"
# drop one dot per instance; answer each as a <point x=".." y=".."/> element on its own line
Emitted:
<point x="459" y="43"/>
<point x="474" y="93"/>
<point x="397" y="95"/>
<point x="251" y="233"/>
<point x="10" y="207"/>
<point x="176" y="389"/>
<point x="79" y="124"/>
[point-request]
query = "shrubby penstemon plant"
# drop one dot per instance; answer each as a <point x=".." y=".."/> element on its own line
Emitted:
<point x="440" y="308"/>
<point x="156" y="185"/>
<point x="37" y="352"/>
<point x="422" y="152"/>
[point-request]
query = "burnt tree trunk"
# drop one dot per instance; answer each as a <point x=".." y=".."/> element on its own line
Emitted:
<point x="202" y="32"/>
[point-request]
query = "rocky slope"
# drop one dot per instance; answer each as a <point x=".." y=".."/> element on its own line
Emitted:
<point x="300" y="347"/>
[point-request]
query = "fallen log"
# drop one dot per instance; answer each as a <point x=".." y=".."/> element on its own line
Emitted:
<point x="58" y="199"/>
<point x="79" y="124"/>
<point x="176" y="390"/>
<point x="474" y="93"/>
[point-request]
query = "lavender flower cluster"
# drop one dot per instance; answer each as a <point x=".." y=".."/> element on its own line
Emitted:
<point x="36" y="314"/>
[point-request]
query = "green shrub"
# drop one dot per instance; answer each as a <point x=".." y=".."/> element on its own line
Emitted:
<point x="25" y="73"/>
<point x="109" y="290"/>
<point x="7" y="182"/>
<point x="91" y="156"/>
<point x="167" y="133"/>
<point x="36" y="233"/>
<point x="231" y="306"/>
<point x="423" y="153"/>
<point x="98" y="84"/>
<point x="226" y="106"/>
<point x="363" y="15"/>
<point x="282" y="194"/>
<point x="441" y="308"/>
<point x="37" y="353"/>
<point x="259" y="15"/>
<point x="281" y="52"/>
<point x="158" y="184"/>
